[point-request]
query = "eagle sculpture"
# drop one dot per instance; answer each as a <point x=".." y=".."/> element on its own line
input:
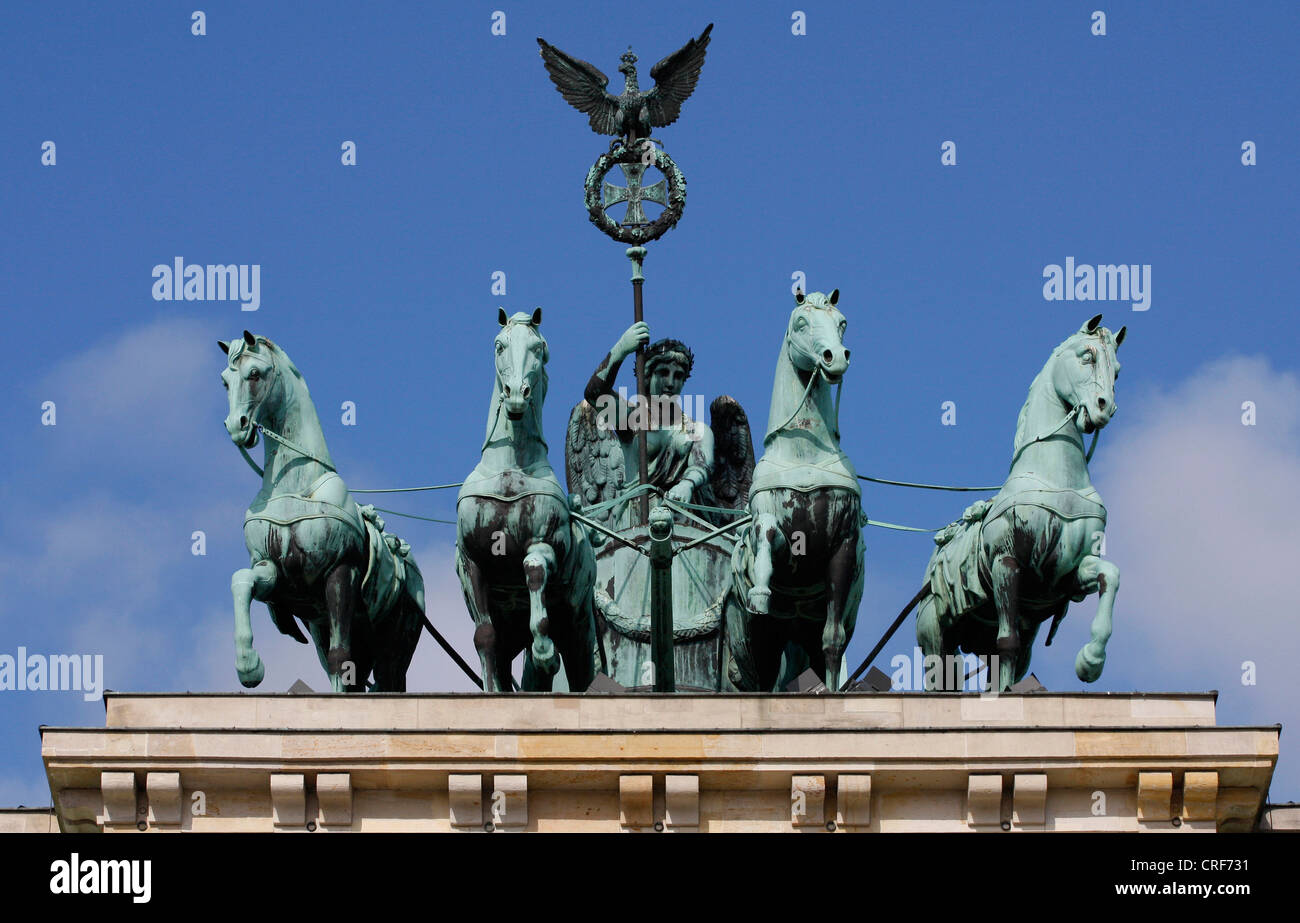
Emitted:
<point x="631" y="115"/>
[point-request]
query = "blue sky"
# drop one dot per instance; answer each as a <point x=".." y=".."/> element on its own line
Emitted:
<point x="817" y="153"/>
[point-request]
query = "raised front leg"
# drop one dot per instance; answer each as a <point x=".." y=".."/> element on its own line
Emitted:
<point x="247" y="584"/>
<point x="1006" y="597"/>
<point x="341" y="586"/>
<point x="539" y="564"/>
<point x="1103" y="576"/>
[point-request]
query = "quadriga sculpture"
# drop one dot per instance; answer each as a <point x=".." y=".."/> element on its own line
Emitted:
<point x="1012" y="562"/>
<point x="314" y="555"/>
<point x="526" y="567"/>
<point x="797" y="573"/>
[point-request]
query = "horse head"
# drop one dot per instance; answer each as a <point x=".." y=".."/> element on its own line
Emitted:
<point x="815" y="335"/>
<point x="1084" y="370"/>
<point x="521" y="355"/>
<point x="255" y="385"/>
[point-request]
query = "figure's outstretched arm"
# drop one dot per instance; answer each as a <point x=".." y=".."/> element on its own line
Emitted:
<point x="602" y="380"/>
<point x="611" y="410"/>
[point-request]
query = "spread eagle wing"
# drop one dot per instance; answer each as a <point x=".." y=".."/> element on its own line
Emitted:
<point x="675" y="78"/>
<point x="593" y="461"/>
<point x="733" y="452"/>
<point x="583" y="87"/>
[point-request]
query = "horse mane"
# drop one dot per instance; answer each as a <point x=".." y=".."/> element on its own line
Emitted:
<point x="282" y="357"/>
<point x="1034" y="387"/>
<point x="786" y="389"/>
<point x="788" y="393"/>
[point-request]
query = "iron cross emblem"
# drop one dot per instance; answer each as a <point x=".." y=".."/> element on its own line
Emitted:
<point x="633" y="194"/>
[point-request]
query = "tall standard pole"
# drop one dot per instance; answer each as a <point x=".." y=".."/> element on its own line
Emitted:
<point x="637" y="256"/>
<point x="661" y="600"/>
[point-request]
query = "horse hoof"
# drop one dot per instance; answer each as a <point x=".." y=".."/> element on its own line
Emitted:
<point x="1088" y="664"/>
<point x="253" y="675"/>
<point x="760" y="600"/>
<point x="544" y="659"/>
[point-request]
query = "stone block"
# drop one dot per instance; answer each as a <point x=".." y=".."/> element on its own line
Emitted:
<point x="984" y="800"/>
<point x="164" y="790"/>
<point x="1029" y="799"/>
<point x="682" y="800"/>
<point x="334" y="793"/>
<point x="288" y="799"/>
<point x="1155" y="796"/>
<point x="465" y="795"/>
<point x="853" y="800"/>
<point x="808" y="801"/>
<point x="118" y="790"/>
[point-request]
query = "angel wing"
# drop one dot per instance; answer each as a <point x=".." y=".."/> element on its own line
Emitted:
<point x="733" y="451"/>
<point x="675" y="78"/>
<point x="593" y="461"/>
<point x="583" y="86"/>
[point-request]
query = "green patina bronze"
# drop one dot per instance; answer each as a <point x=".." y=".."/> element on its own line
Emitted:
<point x="525" y="565"/>
<point x="673" y="562"/>
<point x="633" y="114"/>
<point x="798" y="571"/>
<point x="700" y="473"/>
<point x="1012" y="562"/>
<point x="315" y="557"/>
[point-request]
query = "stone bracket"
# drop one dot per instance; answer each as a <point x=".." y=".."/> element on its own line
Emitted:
<point x="1155" y="796"/>
<point x="636" y="800"/>
<point x="118" y="790"/>
<point x="164" y="790"/>
<point x="1029" y="799"/>
<point x="853" y="801"/>
<point x="1200" y="795"/>
<point x="334" y="794"/>
<point x="984" y="800"/>
<point x="681" y="801"/>
<point x="289" y="799"/>
<point x="465" y="797"/>
<point x="808" y="801"/>
<point x="509" y="806"/>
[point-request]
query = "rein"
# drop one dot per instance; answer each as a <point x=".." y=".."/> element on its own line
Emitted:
<point x="1096" y="434"/>
<point x="272" y="434"/>
<point x="812" y="380"/>
<point x="288" y="444"/>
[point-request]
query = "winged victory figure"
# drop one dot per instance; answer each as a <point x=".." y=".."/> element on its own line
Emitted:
<point x="633" y="114"/>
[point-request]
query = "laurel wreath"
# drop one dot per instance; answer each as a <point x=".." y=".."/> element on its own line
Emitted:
<point x="622" y="154"/>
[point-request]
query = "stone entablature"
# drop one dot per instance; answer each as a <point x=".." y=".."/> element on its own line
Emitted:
<point x="856" y="762"/>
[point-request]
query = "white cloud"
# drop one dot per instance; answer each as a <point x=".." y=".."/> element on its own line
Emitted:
<point x="1204" y="522"/>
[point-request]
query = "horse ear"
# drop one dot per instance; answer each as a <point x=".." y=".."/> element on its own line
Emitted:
<point x="250" y="339"/>
<point x="835" y="297"/>
<point x="536" y="320"/>
<point x="1119" y="337"/>
<point x="1093" y="324"/>
<point x="501" y="316"/>
<point x="798" y="296"/>
<point x="225" y="347"/>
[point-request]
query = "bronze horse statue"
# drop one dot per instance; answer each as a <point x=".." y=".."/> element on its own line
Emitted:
<point x="1012" y="562"/>
<point x="314" y="555"/>
<point x="798" y="570"/>
<point x="526" y="567"/>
